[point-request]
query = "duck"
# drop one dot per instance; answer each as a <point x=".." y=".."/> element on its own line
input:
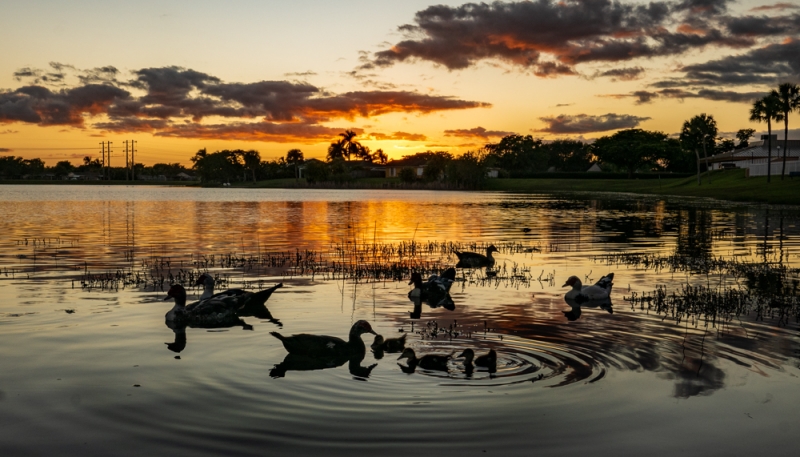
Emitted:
<point x="475" y="260"/>
<point x="601" y="290"/>
<point x="428" y="361"/>
<point x="324" y="346"/>
<point x="245" y="298"/>
<point x="488" y="360"/>
<point x="199" y="312"/>
<point x="435" y="289"/>
<point x="389" y="344"/>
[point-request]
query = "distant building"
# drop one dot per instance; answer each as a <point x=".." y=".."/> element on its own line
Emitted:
<point x="595" y="168"/>
<point x="755" y="156"/>
<point x="416" y="163"/>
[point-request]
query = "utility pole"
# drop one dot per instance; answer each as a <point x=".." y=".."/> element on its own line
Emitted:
<point x="133" y="160"/>
<point x="127" y="164"/>
<point x="108" y="164"/>
<point x="103" y="163"/>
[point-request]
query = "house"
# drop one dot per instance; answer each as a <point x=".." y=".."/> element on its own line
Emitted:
<point x="185" y="177"/>
<point x="492" y="172"/>
<point x="595" y="168"/>
<point x="416" y="163"/>
<point x="754" y="157"/>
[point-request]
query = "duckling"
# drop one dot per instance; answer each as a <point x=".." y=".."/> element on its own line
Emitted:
<point x="488" y="360"/>
<point x="389" y="345"/>
<point x="475" y="260"/>
<point x="428" y="361"/>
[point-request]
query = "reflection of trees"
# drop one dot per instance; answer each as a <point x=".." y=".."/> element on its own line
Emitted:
<point x="694" y="237"/>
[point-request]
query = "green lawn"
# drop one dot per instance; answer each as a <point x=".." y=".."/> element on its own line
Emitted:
<point x="726" y="185"/>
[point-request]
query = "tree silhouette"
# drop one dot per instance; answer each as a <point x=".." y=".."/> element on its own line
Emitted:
<point x="252" y="161"/>
<point x="380" y="156"/>
<point x="766" y="110"/>
<point x="788" y="96"/>
<point x="633" y="149"/>
<point x="744" y="135"/>
<point x="700" y="130"/>
<point x="295" y="157"/>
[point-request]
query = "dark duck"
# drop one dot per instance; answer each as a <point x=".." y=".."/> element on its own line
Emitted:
<point x="475" y="260"/>
<point x="390" y="345"/>
<point x="488" y="360"/>
<point x="323" y="346"/>
<point x="436" y="362"/>
<point x="209" y="312"/>
<point x="239" y="298"/>
<point x="435" y="289"/>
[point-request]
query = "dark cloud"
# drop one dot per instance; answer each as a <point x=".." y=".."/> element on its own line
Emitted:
<point x="765" y="26"/>
<point x="777" y="7"/>
<point x="6" y="150"/>
<point x="584" y="123"/>
<point x="8" y="131"/>
<point x="254" y="131"/>
<point x="172" y="101"/>
<point x="40" y="105"/>
<point x="477" y="132"/>
<point x="550" y="37"/>
<point x="645" y="96"/>
<point x="403" y="136"/>
<point x="622" y="74"/>
<point x="767" y="66"/>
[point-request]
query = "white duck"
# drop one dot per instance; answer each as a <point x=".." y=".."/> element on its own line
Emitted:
<point x="601" y="290"/>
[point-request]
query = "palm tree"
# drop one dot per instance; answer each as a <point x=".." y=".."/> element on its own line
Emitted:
<point x="380" y="156"/>
<point x="698" y="131"/>
<point x="252" y="161"/>
<point x="349" y="145"/>
<point x="295" y="157"/>
<point x="766" y="110"/>
<point x="788" y="96"/>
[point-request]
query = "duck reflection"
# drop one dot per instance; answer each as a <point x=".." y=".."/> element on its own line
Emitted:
<point x="179" y="328"/>
<point x="575" y="313"/>
<point x="318" y="352"/>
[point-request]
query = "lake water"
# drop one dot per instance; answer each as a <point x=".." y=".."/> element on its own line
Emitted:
<point x="84" y="369"/>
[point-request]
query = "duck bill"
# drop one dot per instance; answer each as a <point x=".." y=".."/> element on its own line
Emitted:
<point x="565" y="284"/>
<point x="168" y="298"/>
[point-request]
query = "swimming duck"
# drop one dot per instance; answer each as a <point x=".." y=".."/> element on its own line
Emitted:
<point x="601" y="290"/>
<point x="326" y="346"/>
<point x="475" y="260"/>
<point x="389" y="344"/>
<point x="206" y="310"/>
<point x="244" y="297"/>
<point x="435" y="289"/>
<point x="427" y="361"/>
<point x="488" y="360"/>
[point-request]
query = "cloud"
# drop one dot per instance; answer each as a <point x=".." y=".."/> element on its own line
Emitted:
<point x="766" y="65"/>
<point x="401" y="136"/>
<point x="645" y="96"/>
<point x="301" y="74"/>
<point x="173" y="101"/>
<point x="8" y="132"/>
<point x="776" y="7"/>
<point x="477" y="132"/>
<point x="6" y="150"/>
<point x="550" y="37"/>
<point x="584" y="123"/>
<point x="622" y="74"/>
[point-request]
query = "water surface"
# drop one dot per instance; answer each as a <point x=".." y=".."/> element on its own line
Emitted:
<point x="85" y="369"/>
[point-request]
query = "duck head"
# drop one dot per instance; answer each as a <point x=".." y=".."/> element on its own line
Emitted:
<point x="362" y="327"/>
<point x="178" y="293"/>
<point x="491" y="249"/>
<point x="205" y="280"/>
<point x="468" y="355"/>
<point x="416" y="279"/>
<point x="573" y="282"/>
<point x="409" y="354"/>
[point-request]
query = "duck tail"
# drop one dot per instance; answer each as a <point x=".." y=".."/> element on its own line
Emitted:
<point x="261" y="297"/>
<point x="606" y="282"/>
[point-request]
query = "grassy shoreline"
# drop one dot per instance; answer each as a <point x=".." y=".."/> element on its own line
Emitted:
<point x="730" y="185"/>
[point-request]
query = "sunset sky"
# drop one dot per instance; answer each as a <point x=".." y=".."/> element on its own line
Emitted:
<point x="178" y="76"/>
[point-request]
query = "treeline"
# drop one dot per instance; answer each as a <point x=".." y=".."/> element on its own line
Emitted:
<point x="12" y="167"/>
<point x="238" y="165"/>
